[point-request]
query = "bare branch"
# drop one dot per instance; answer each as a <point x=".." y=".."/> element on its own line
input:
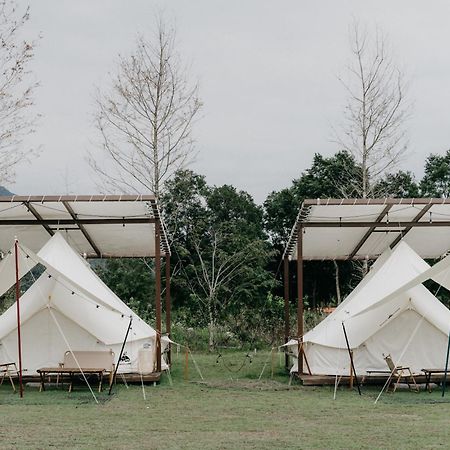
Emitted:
<point x="145" y="119"/>
<point x="16" y="90"/>
<point x="376" y="110"/>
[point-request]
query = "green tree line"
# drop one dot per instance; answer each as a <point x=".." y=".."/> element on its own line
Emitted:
<point x="226" y="249"/>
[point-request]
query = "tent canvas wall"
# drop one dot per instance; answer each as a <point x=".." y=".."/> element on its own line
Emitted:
<point x="412" y="325"/>
<point x="69" y="308"/>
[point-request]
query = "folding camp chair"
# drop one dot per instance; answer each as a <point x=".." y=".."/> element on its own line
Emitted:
<point x="8" y="370"/>
<point x="399" y="373"/>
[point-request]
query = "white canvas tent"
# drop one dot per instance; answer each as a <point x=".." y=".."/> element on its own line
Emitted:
<point x="389" y="312"/>
<point x="68" y="306"/>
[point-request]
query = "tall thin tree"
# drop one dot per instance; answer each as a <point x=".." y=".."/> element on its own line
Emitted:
<point x="145" y="119"/>
<point x="376" y="109"/>
<point x="17" y="88"/>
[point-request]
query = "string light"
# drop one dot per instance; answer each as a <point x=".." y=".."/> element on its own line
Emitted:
<point x="78" y="294"/>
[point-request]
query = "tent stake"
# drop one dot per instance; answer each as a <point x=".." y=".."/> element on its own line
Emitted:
<point x="120" y="355"/>
<point x="444" y="382"/>
<point x="351" y="358"/>
<point x="19" y="340"/>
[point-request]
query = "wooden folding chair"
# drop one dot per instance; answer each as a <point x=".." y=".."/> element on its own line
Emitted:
<point x="400" y="372"/>
<point x="6" y="371"/>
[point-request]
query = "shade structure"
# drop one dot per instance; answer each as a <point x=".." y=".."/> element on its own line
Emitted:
<point x="389" y="312"/>
<point x="340" y="229"/>
<point x="95" y="225"/>
<point x="69" y="308"/>
<point x="345" y="229"/>
<point x="99" y="226"/>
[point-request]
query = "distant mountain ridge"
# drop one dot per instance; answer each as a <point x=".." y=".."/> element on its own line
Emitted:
<point x="4" y="192"/>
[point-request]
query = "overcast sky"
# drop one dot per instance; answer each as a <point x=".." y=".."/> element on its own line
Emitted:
<point x="268" y="79"/>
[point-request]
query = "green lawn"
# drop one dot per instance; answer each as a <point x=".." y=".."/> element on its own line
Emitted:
<point x="229" y="409"/>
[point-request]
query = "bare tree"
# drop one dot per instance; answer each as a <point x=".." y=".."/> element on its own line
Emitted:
<point x="376" y="109"/>
<point x="216" y="272"/>
<point x="146" y="118"/>
<point x="16" y="89"/>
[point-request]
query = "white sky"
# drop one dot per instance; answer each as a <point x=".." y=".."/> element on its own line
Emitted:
<point x="268" y="78"/>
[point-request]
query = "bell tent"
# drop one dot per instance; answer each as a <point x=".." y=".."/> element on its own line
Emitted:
<point x="69" y="308"/>
<point x="389" y="312"/>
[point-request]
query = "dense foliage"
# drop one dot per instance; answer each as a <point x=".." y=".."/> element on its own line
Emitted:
<point x="221" y="251"/>
<point x="226" y="251"/>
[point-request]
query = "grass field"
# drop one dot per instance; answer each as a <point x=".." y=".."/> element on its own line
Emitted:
<point x="230" y="409"/>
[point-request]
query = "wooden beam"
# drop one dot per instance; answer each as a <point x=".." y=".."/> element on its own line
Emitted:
<point x="408" y="229"/>
<point x="369" y="232"/>
<point x="158" y="294"/>
<point x="82" y="229"/>
<point x="392" y="225"/>
<point x="286" y="305"/>
<point x="168" y="305"/>
<point x="76" y="198"/>
<point x="374" y="201"/>
<point x="300" y="297"/>
<point x="56" y="222"/>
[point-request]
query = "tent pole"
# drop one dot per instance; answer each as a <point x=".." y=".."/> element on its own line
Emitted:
<point x="168" y="306"/>
<point x="120" y="355"/>
<point x="444" y="382"/>
<point x="350" y="353"/>
<point x="286" y="306"/>
<point x="158" y="293"/>
<point x="300" y="296"/>
<point x="19" y="340"/>
<point x="306" y="359"/>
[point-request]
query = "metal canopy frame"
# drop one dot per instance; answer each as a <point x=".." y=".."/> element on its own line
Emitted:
<point x="377" y="223"/>
<point x="79" y="222"/>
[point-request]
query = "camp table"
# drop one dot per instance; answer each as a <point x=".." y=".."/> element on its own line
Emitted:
<point x="428" y="373"/>
<point x="70" y="371"/>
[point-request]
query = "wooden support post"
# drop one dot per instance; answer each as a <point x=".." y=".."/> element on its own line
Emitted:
<point x="168" y="306"/>
<point x="158" y="292"/>
<point x="286" y="306"/>
<point x="300" y="296"/>
<point x="186" y="365"/>
<point x="273" y="363"/>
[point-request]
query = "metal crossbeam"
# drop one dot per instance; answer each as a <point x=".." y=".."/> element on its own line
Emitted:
<point x="369" y="232"/>
<point x="82" y="229"/>
<point x="31" y="209"/>
<point x="408" y="229"/>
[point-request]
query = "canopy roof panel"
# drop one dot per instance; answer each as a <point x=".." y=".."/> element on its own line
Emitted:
<point x="363" y="228"/>
<point x="95" y="225"/>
